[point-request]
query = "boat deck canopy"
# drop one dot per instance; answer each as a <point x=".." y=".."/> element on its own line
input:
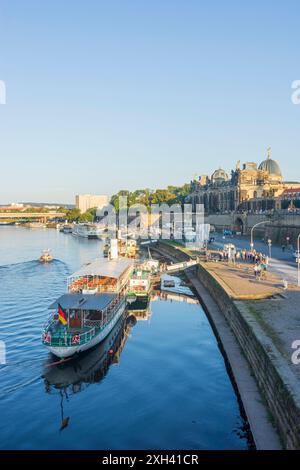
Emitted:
<point x="103" y="267"/>
<point x="83" y="301"/>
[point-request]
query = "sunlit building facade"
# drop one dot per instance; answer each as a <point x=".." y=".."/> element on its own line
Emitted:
<point x="85" y="202"/>
<point x="248" y="188"/>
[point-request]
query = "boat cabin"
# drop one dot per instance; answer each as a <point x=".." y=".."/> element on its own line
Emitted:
<point x="96" y="292"/>
<point x="101" y="276"/>
<point x="81" y="309"/>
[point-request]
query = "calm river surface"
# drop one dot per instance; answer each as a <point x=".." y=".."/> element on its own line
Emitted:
<point x="166" y="386"/>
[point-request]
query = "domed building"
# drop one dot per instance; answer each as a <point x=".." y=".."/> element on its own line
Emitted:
<point x="219" y="176"/>
<point x="250" y="188"/>
<point x="271" y="167"/>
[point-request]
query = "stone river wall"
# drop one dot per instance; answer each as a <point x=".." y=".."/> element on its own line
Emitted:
<point x="278" y="386"/>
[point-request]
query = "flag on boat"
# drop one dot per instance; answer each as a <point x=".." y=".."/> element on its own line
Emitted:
<point x="62" y="315"/>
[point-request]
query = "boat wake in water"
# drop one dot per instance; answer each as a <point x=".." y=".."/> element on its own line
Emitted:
<point x="30" y="264"/>
<point x="26" y="291"/>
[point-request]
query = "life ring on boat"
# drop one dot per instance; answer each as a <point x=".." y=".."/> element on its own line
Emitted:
<point x="47" y="337"/>
<point x="75" y="339"/>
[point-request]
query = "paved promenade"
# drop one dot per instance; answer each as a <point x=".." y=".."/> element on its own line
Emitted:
<point x="239" y="281"/>
<point x="282" y="262"/>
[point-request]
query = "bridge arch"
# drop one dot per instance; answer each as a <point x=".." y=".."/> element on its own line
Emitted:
<point x="239" y="225"/>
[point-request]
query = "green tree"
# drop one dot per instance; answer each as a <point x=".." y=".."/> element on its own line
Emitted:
<point x="88" y="216"/>
<point x="171" y="195"/>
<point x="72" y="215"/>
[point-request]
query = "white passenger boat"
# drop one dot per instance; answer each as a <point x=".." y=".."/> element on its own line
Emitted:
<point x="92" y="366"/>
<point x="87" y="230"/>
<point x="96" y="299"/>
<point x="66" y="228"/>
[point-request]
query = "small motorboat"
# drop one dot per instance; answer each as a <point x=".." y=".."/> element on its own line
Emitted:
<point x="46" y="257"/>
<point x="169" y="283"/>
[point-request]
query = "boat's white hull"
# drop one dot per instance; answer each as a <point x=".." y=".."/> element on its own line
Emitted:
<point x="80" y="234"/>
<point x="63" y="352"/>
<point x="90" y="236"/>
<point x="84" y="232"/>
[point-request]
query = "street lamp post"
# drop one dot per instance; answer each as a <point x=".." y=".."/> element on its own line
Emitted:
<point x="251" y="235"/>
<point x="270" y="248"/>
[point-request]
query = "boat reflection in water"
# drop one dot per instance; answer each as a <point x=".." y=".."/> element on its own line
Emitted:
<point x="140" y="309"/>
<point x="90" y="366"/>
<point x="173" y="296"/>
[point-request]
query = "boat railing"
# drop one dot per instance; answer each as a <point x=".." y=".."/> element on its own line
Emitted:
<point x="98" y="323"/>
<point x="72" y="338"/>
<point x="109" y="315"/>
<point x="87" y="336"/>
<point x="69" y="338"/>
<point x="90" y="288"/>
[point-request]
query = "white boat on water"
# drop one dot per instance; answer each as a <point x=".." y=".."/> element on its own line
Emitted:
<point x="174" y="284"/>
<point x="35" y="225"/>
<point x="66" y="228"/>
<point x="95" y="301"/>
<point x="87" y="230"/>
<point x="92" y="366"/>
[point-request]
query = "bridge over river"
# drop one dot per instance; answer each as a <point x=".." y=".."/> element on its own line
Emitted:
<point x="36" y="216"/>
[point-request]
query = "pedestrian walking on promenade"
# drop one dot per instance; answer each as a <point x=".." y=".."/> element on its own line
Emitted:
<point x="255" y="271"/>
<point x="264" y="270"/>
<point x="259" y="271"/>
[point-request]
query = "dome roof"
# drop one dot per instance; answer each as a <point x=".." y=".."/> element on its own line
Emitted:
<point x="219" y="175"/>
<point x="271" y="166"/>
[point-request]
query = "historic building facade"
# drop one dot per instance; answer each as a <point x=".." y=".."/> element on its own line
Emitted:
<point x="248" y="188"/>
<point x="290" y="198"/>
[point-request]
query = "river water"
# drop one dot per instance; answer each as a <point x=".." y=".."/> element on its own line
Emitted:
<point x="156" y="383"/>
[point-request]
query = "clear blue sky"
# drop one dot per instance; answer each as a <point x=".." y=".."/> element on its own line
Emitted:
<point x="108" y="95"/>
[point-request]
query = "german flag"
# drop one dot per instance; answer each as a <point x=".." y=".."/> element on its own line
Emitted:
<point x="62" y="315"/>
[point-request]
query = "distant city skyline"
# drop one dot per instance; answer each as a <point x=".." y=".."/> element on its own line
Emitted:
<point x="103" y="96"/>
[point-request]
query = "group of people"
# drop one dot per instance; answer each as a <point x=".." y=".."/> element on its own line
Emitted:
<point x="258" y="259"/>
<point x="261" y="267"/>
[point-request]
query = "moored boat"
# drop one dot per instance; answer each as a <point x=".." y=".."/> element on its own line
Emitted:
<point x="91" y="366"/>
<point x="35" y="225"/>
<point x="87" y="230"/>
<point x="66" y="228"/>
<point x="140" y="283"/>
<point x="95" y="301"/>
<point x="169" y="283"/>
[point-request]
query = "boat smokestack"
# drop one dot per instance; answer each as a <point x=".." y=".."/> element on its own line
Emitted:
<point x="114" y="252"/>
